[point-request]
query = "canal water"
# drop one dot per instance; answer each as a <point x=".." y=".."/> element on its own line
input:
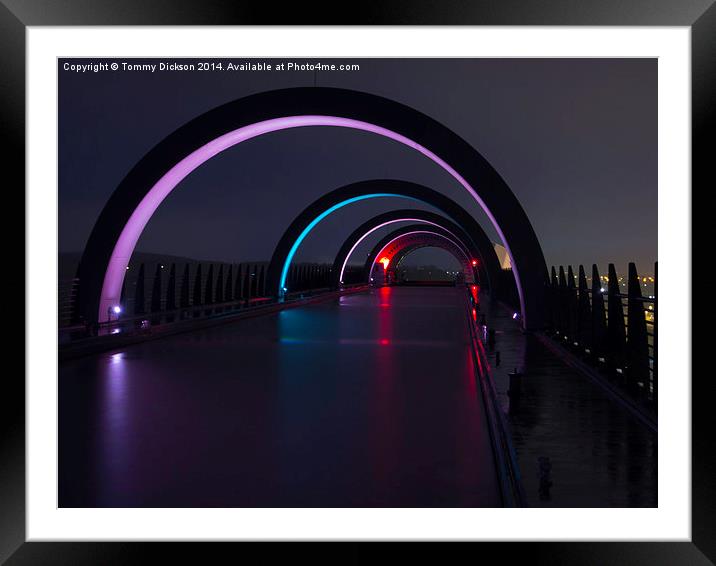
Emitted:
<point x="369" y="400"/>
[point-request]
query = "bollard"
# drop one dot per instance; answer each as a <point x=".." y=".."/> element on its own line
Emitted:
<point x="515" y="388"/>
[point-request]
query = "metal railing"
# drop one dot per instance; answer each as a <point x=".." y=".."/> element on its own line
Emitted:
<point x="614" y="331"/>
<point x="202" y="291"/>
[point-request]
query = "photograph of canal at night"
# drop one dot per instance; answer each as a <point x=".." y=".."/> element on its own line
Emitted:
<point x="357" y="283"/>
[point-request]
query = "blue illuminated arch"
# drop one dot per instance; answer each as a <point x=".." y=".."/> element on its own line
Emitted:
<point x="315" y="222"/>
<point x="452" y="215"/>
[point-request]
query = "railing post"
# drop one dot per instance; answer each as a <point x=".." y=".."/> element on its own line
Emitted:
<point x="585" y="313"/>
<point x="139" y="292"/>
<point x="156" y="301"/>
<point x="260" y="283"/>
<point x="209" y="289"/>
<point x="599" y="323"/>
<point x="209" y="286"/>
<point x="196" y="298"/>
<point x="219" y="292"/>
<point x="184" y="293"/>
<point x="563" y="304"/>
<point x="171" y="303"/>
<point x="170" y="294"/>
<point x="246" y="295"/>
<point x="254" y="280"/>
<point x="616" y="333"/>
<point x="239" y="287"/>
<point x="637" y="339"/>
<point x="572" y="305"/>
<point x="554" y="301"/>
<point x="229" y="288"/>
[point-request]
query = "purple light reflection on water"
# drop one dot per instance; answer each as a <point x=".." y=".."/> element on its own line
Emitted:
<point x="115" y="433"/>
<point x="123" y="248"/>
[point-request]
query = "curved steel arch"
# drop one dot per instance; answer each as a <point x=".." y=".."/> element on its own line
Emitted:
<point x="403" y="253"/>
<point x="121" y="222"/>
<point x="314" y="213"/>
<point x="414" y="236"/>
<point x="414" y="242"/>
<point x="478" y="242"/>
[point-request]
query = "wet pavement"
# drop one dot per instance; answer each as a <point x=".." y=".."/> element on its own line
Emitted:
<point x="576" y="447"/>
<point x="367" y="400"/>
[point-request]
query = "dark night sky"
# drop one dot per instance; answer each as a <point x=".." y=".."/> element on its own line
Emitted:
<point x="576" y="140"/>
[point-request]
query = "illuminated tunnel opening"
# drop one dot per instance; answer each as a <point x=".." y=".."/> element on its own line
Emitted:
<point x="440" y="264"/>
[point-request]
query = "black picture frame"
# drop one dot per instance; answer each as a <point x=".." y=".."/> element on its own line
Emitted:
<point x="17" y="15"/>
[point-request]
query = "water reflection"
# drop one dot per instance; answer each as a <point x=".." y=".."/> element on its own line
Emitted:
<point x="115" y="425"/>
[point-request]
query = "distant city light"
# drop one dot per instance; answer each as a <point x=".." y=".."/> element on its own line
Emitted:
<point x="602" y="289"/>
<point x="474" y="263"/>
<point x="116" y="309"/>
<point x="515" y="315"/>
<point x="385" y="261"/>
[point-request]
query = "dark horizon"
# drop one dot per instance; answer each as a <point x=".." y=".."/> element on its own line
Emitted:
<point x="574" y="138"/>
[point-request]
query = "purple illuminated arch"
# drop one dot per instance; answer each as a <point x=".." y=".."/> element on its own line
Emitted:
<point x="124" y="217"/>
<point x="116" y="268"/>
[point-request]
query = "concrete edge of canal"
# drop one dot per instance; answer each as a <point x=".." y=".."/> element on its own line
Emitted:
<point x="507" y="468"/>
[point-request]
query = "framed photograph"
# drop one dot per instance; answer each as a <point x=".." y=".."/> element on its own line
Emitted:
<point x="395" y="278"/>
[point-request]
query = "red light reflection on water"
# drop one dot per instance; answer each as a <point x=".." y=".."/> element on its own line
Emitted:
<point x="474" y="290"/>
